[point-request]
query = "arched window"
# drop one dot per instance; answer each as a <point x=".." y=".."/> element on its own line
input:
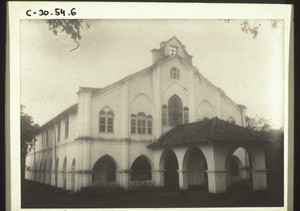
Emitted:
<point x="175" y="111"/>
<point x="174" y="73"/>
<point x="149" y="124"/>
<point x="141" y="120"/>
<point x="231" y="120"/>
<point x="164" y="113"/>
<point x="110" y="122"/>
<point x="102" y="118"/>
<point x="204" y="118"/>
<point x="141" y="124"/>
<point x="186" y="115"/>
<point x="106" y="121"/>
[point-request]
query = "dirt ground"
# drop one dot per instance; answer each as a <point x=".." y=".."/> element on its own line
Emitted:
<point x="35" y="195"/>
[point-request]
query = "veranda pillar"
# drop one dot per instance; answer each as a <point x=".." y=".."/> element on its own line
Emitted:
<point x="259" y="179"/>
<point x="217" y="181"/>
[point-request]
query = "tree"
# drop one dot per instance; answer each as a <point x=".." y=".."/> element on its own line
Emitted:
<point x="258" y="125"/>
<point x="253" y="30"/>
<point x="28" y="132"/>
<point x="69" y="26"/>
<point x="273" y="149"/>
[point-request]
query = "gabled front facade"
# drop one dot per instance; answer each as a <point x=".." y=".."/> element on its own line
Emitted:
<point x="103" y="139"/>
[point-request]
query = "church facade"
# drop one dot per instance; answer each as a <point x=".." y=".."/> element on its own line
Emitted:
<point x="120" y="135"/>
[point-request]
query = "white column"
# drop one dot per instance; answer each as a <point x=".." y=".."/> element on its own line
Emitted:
<point x="216" y="173"/>
<point x="126" y="121"/>
<point x="183" y="179"/>
<point x="124" y="178"/>
<point x="259" y="179"/>
<point x="192" y="98"/>
<point x="182" y="167"/>
<point x="84" y="111"/>
<point x="243" y="114"/>
<point x="156" y="89"/>
<point x="125" y="171"/>
<point x="217" y="181"/>
<point x="158" y="177"/>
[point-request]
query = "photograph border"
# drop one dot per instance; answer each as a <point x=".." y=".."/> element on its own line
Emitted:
<point x="130" y="10"/>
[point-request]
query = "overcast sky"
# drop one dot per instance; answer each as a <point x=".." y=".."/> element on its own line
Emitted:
<point x="250" y="71"/>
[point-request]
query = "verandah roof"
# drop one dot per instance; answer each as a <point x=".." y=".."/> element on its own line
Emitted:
<point x="210" y="130"/>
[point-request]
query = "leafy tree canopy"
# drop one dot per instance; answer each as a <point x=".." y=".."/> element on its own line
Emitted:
<point x="28" y="132"/>
<point x="71" y="27"/>
<point x="253" y="29"/>
<point x="263" y="127"/>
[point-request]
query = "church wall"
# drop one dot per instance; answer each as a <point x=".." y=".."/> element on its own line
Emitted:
<point x="108" y="99"/>
<point x="137" y="149"/>
<point x="138" y="86"/>
<point x="206" y="100"/>
<point x="112" y="148"/>
<point x="73" y="130"/>
<point x="140" y="99"/>
<point x="173" y="86"/>
<point x="229" y="110"/>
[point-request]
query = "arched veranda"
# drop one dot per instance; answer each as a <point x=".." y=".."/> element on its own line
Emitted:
<point x="104" y="171"/>
<point x="169" y="163"/>
<point x="141" y="169"/>
<point x="239" y="165"/>
<point x="195" y="164"/>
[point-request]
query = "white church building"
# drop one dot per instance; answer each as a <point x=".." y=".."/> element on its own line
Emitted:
<point x="164" y="126"/>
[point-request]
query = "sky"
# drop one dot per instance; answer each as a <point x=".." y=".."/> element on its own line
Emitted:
<point x="249" y="70"/>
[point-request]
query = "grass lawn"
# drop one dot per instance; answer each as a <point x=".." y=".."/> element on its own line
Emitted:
<point x="35" y="195"/>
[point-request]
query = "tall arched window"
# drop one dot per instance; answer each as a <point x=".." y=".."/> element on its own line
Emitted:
<point x="186" y="115"/>
<point x="175" y="111"/>
<point x="174" y="73"/>
<point x="164" y="113"/>
<point x="106" y="121"/>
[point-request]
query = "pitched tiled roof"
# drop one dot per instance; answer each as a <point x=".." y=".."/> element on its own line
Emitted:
<point x="210" y="130"/>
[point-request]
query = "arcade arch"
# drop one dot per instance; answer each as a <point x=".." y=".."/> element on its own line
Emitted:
<point x="169" y="164"/>
<point x="239" y="168"/>
<point x="141" y="169"/>
<point x="104" y="170"/>
<point x="195" y="164"/>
